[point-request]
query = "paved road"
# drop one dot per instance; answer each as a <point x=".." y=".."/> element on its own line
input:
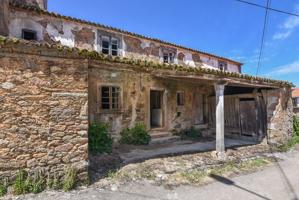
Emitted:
<point x="280" y="182"/>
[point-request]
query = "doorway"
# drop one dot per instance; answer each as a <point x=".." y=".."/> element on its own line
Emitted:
<point x="248" y="117"/>
<point x="156" y="108"/>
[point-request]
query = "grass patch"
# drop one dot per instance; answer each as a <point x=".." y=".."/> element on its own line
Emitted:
<point x="197" y="176"/>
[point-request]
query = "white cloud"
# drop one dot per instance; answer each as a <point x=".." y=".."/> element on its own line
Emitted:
<point x="286" y="29"/>
<point x="286" y="69"/>
<point x="282" y="35"/>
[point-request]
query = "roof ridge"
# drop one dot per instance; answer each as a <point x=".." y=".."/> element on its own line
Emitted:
<point x="142" y="64"/>
<point x="36" y="9"/>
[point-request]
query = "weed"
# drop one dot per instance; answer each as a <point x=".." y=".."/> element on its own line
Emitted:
<point x="22" y="183"/>
<point x="3" y="189"/>
<point x="70" y="178"/>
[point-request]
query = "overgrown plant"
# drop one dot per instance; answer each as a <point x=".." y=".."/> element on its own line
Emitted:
<point x="296" y="126"/>
<point x="70" y="179"/>
<point x="38" y="183"/>
<point x="22" y="183"/>
<point x="137" y="135"/>
<point x="294" y="140"/>
<point x="100" y="140"/>
<point x="3" y="188"/>
<point x="191" y="133"/>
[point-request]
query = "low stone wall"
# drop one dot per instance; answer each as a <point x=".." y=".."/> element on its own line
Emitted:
<point x="43" y="114"/>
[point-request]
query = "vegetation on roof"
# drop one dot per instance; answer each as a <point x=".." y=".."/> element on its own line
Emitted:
<point x="138" y="64"/>
<point x="41" y="11"/>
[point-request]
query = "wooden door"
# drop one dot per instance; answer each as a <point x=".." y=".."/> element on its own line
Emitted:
<point x="248" y="117"/>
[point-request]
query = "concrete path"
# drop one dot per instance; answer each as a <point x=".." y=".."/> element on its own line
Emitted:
<point x="280" y="182"/>
<point x="179" y="148"/>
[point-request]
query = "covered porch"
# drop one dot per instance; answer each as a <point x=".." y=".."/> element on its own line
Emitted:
<point x="233" y="113"/>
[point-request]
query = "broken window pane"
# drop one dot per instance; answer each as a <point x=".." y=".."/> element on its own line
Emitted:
<point x="105" y="45"/>
<point x="165" y="58"/>
<point x="28" y="34"/>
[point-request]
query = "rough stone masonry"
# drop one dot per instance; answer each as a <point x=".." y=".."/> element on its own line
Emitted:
<point x="43" y="114"/>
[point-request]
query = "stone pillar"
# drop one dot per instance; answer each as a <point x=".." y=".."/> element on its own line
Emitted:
<point x="220" y="146"/>
<point x="4" y="17"/>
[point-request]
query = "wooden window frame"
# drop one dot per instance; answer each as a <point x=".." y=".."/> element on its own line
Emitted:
<point x="119" y="99"/>
<point x="180" y="98"/>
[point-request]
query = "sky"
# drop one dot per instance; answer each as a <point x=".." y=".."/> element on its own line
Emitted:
<point x="223" y="27"/>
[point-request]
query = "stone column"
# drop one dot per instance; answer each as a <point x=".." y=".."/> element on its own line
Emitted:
<point x="4" y="17"/>
<point x="220" y="146"/>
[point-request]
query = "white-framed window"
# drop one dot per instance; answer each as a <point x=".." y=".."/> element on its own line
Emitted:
<point x="168" y="57"/>
<point x="222" y="65"/>
<point x="110" y="45"/>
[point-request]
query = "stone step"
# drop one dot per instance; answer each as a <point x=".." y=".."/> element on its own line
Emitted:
<point x="163" y="140"/>
<point x="201" y="126"/>
<point x="160" y="134"/>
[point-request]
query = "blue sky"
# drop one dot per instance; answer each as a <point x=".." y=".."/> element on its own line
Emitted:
<point x="222" y="27"/>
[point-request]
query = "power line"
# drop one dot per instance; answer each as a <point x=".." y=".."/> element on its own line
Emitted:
<point x="263" y="36"/>
<point x="269" y="8"/>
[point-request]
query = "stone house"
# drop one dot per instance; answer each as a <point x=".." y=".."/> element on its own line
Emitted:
<point x="295" y="97"/>
<point x="58" y="74"/>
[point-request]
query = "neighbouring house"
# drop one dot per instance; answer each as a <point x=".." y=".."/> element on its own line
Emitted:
<point x="295" y="97"/>
<point x="58" y="74"/>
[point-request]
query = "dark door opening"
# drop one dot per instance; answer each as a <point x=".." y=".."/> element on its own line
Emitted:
<point x="156" y="105"/>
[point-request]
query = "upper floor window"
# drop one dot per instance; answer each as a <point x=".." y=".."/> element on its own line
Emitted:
<point x="29" y="34"/>
<point x="222" y="65"/>
<point x="168" y="57"/>
<point x="110" y="45"/>
<point x="180" y="98"/>
<point x="110" y="98"/>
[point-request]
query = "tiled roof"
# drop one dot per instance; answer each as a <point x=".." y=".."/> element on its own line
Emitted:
<point x="295" y="92"/>
<point x="38" y="10"/>
<point x="138" y="64"/>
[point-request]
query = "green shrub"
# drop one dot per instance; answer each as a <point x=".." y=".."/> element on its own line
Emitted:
<point x="100" y="140"/>
<point x="70" y="179"/>
<point x="296" y="125"/>
<point x="136" y="135"/>
<point x="191" y="133"/>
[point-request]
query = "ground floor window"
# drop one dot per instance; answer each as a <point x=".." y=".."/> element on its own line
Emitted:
<point x="110" y="98"/>
<point x="180" y="97"/>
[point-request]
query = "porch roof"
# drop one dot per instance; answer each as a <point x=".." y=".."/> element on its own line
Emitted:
<point x="174" y="71"/>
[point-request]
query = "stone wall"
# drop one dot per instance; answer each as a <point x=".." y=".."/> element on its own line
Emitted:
<point x="279" y="115"/>
<point x="43" y="113"/>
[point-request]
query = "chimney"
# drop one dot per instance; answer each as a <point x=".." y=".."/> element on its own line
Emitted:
<point x="4" y="17"/>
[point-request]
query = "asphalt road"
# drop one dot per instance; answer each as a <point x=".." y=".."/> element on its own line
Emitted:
<point x="280" y="181"/>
